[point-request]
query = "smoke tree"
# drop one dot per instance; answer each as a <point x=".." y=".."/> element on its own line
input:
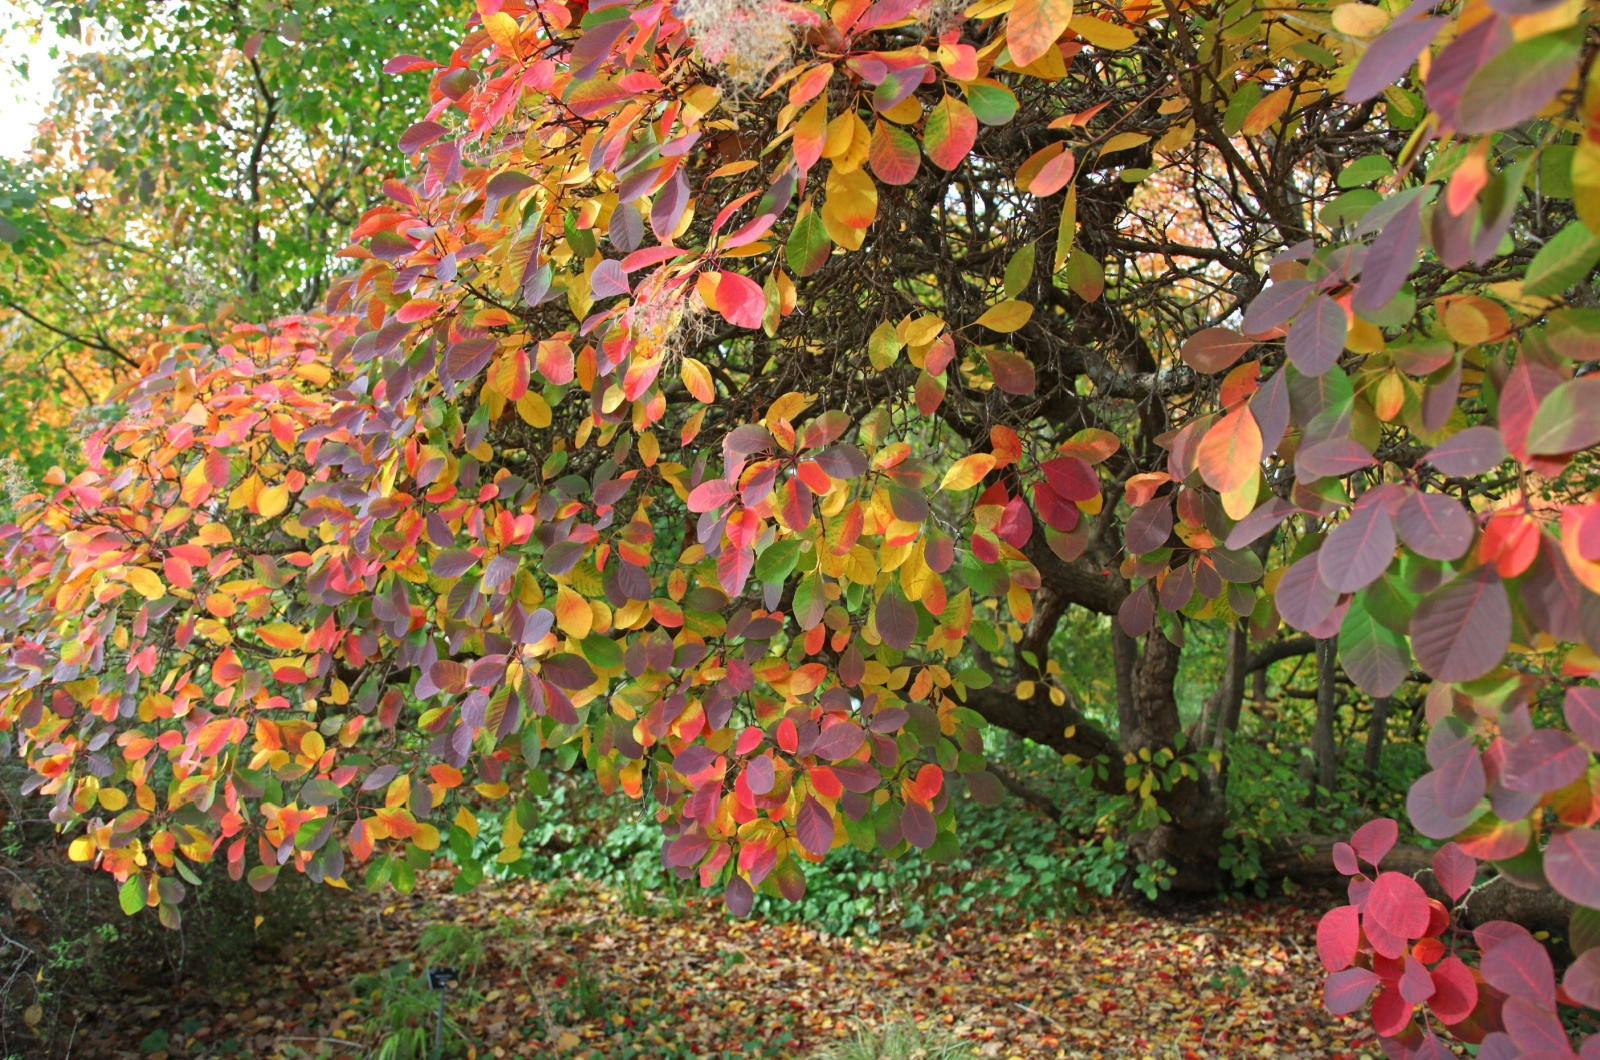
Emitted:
<point x="738" y="394"/>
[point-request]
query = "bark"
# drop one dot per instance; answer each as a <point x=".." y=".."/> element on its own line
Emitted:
<point x="1189" y="842"/>
<point x="1376" y="728"/>
<point x="1324" y="748"/>
<point x="1232" y="691"/>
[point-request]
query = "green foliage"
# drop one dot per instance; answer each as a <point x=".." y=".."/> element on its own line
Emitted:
<point x="903" y="1040"/>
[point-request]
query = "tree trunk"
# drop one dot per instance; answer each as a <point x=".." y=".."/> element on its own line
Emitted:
<point x="1376" y="729"/>
<point x="1189" y="841"/>
<point x="1324" y="748"/>
<point x="1232" y="690"/>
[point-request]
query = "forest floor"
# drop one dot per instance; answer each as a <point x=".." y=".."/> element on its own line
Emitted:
<point x="578" y="972"/>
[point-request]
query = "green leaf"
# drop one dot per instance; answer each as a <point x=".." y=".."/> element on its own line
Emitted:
<point x="602" y="651"/>
<point x="1019" y="270"/>
<point x="883" y="348"/>
<point x="778" y="561"/>
<point x="1365" y="170"/>
<point x="991" y="101"/>
<point x="131" y="895"/>
<point x="1570" y="255"/>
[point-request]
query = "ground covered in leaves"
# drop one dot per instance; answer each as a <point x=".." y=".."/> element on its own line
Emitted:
<point x="578" y="971"/>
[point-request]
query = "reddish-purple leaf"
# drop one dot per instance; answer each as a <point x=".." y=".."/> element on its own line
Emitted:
<point x="1428" y="815"/>
<point x="1137" y="612"/>
<point x="1270" y="407"/>
<point x="759" y="775"/>
<point x="1553" y="596"/>
<point x="1390" y="258"/>
<point x="1582" y="708"/>
<point x="1264" y="519"/>
<point x="1582" y="981"/>
<point x="1149" y="526"/>
<point x="1455" y="64"/>
<point x="738" y="897"/>
<point x="1344" y="859"/>
<point x="608" y="280"/>
<point x="420" y="135"/>
<point x="1214" y="349"/>
<point x="1398" y="904"/>
<point x="1358" y="550"/>
<point x="1344" y="992"/>
<point x="1460" y="780"/>
<point x="1338" y="937"/>
<point x="733" y="569"/>
<point x="1013" y="373"/>
<point x="1435" y="526"/>
<point x="1072" y="478"/>
<point x="896" y="619"/>
<point x="917" y="825"/>
<point x="1416" y="985"/>
<point x="1536" y="1029"/>
<point x="1521" y="968"/>
<point x="1304" y="600"/>
<point x="1373" y="840"/>
<point x="1544" y="760"/>
<point x="839" y="741"/>
<point x="1390" y="1012"/>
<point x="1455" y="870"/>
<point x="1316" y="338"/>
<point x="814" y="827"/>
<point x="1516" y="84"/>
<point x="1462" y="629"/>
<point x="1572" y="865"/>
<point x="1273" y="307"/>
<point x="1332" y="458"/>
<point x="1390" y="56"/>
<point x="1455" y="991"/>
<point x="1469" y="452"/>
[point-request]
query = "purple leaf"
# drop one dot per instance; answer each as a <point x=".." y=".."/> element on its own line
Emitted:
<point x="1316" y="338"/>
<point x="1572" y="865"/>
<point x="917" y="825"/>
<point x="1516" y="84"/>
<point x="839" y="741"/>
<point x="1435" y="526"/>
<point x="1332" y="458"/>
<point x="1270" y="407"/>
<point x="1544" y="760"/>
<point x="1454" y="66"/>
<point x="1521" y="968"/>
<point x="608" y="280"/>
<point x="1358" y="550"/>
<point x="1261" y="521"/>
<point x="1461" y="780"/>
<point x="1373" y="840"/>
<point x="1304" y="600"/>
<point x="1427" y="816"/>
<point x="1273" y="307"/>
<point x="1582" y="708"/>
<point x="1469" y="452"/>
<point x="1536" y="1029"/>
<point x="1582" y="981"/>
<point x="1390" y="56"/>
<point x="1345" y="992"/>
<point x="1462" y="629"/>
<point x="1390" y="259"/>
<point x="814" y="827"/>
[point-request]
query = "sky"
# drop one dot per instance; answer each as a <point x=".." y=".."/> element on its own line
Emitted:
<point x="23" y="100"/>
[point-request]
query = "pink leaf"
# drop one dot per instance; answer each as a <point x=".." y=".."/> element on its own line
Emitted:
<point x="1521" y="968"/>
<point x="1398" y="904"/>
<point x="1572" y="865"/>
<point x="1455" y="870"/>
<point x="1339" y="936"/>
<point x="1375" y="839"/>
<point x="1344" y="992"/>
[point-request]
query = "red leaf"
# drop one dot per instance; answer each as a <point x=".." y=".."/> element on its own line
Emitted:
<point x="1455" y="991"/>
<point x="1535" y="1029"/>
<point x="1338" y="937"/>
<point x="1416" y="985"/>
<point x="1344" y="859"/>
<point x="1072" y="478"/>
<point x="1012" y="372"/>
<point x="1398" y="904"/>
<point x="740" y="300"/>
<point x="1455" y="870"/>
<point x="1390" y="1012"/>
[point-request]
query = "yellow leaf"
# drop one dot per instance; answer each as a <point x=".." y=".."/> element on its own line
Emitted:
<point x="1123" y="141"/>
<point x="967" y="472"/>
<point x="1008" y="316"/>
<point x="697" y="377"/>
<point x="502" y="29"/>
<point x="81" y="849"/>
<point x="534" y="410"/>
<point x="1359" y="20"/>
<point x="1265" y="114"/>
<point x="1024" y="689"/>
<point x="573" y="614"/>
<point x="147" y="583"/>
<point x="1034" y="27"/>
<point x="1103" y="34"/>
<point x="272" y="501"/>
<point x="426" y="837"/>
<point x="467" y="821"/>
<point x="281" y="635"/>
<point x="113" y="799"/>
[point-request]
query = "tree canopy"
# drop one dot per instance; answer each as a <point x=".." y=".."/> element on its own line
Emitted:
<point x="738" y="395"/>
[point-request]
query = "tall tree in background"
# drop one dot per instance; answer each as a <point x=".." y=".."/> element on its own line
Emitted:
<point x="199" y="160"/>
